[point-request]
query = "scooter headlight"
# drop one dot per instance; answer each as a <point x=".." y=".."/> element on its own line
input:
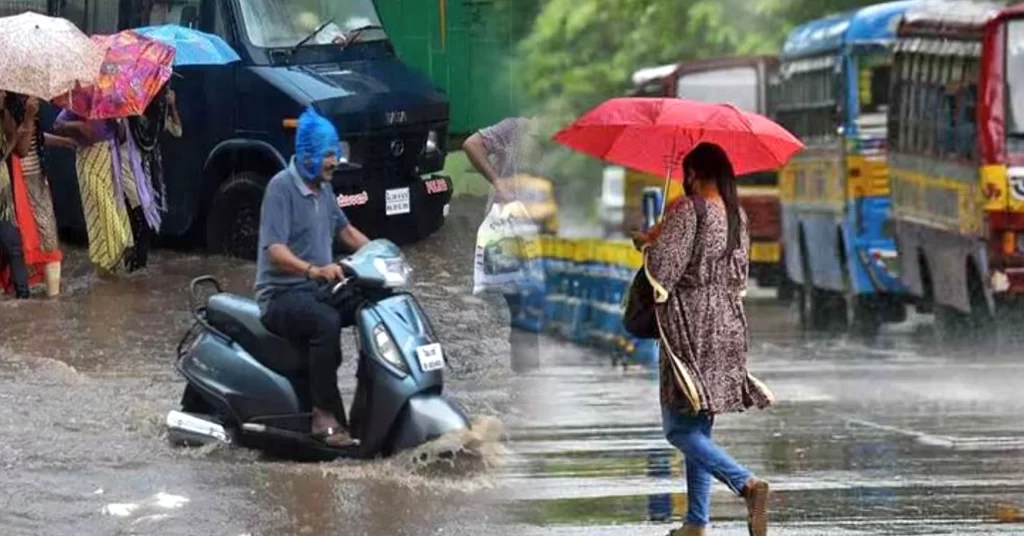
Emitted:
<point x="395" y="271"/>
<point x="387" y="349"/>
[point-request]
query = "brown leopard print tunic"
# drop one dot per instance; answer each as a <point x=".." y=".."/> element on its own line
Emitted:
<point x="703" y="359"/>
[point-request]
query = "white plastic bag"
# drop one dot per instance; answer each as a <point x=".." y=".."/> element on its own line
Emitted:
<point x="497" y="265"/>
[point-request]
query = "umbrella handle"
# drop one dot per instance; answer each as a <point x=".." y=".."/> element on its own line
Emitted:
<point x="664" y="191"/>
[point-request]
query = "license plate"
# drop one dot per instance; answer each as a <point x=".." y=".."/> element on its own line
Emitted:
<point x="431" y="357"/>
<point x="764" y="252"/>
<point x="396" y="201"/>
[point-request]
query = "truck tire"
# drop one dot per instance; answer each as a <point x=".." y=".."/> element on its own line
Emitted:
<point x="233" y="223"/>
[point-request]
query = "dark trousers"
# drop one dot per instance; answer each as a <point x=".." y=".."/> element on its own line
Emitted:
<point x="138" y="256"/>
<point x="303" y="319"/>
<point x="13" y="256"/>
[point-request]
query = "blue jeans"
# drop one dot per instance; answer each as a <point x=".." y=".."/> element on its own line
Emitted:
<point x="691" y="434"/>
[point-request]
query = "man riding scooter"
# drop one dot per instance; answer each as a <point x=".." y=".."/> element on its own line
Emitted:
<point x="299" y="220"/>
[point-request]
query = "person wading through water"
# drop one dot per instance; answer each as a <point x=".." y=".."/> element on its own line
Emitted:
<point x="499" y="153"/>
<point x="696" y="260"/>
<point x="299" y="220"/>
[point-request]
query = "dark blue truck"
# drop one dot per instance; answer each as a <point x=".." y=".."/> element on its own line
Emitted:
<point x="238" y="120"/>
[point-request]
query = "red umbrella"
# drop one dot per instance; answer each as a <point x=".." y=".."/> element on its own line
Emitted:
<point x="653" y="135"/>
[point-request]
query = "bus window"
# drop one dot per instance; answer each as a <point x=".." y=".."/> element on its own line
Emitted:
<point x="931" y="104"/>
<point x="1015" y="84"/>
<point x="737" y="86"/>
<point x="905" y="101"/>
<point x="72" y="10"/>
<point x="947" y="105"/>
<point x="916" y="140"/>
<point x="967" y="113"/>
<point x="873" y="84"/>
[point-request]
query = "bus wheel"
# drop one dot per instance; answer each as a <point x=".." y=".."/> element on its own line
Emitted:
<point x="232" y="227"/>
<point x="814" y="305"/>
<point x="863" y="313"/>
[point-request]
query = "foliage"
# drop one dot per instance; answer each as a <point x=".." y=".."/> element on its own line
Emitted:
<point x="581" y="52"/>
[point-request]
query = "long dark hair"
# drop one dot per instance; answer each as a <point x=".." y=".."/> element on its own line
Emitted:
<point x="16" y="105"/>
<point x="706" y="162"/>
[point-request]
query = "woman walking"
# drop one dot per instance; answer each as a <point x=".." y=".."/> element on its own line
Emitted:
<point x="696" y="260"/>
<point x="142" y="150"/>
<point x="42" y="248"/>
<point x="14" y="276"/>
<point x="106" y="214"/>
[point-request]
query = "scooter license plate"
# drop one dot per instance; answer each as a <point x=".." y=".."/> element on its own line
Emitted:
<point x="431" y="357"/>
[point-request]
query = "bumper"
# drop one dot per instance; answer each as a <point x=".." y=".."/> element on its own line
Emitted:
<point x="400" y="210"/>
<point x="765" y="251"/>
<point x="1008" y="281"/>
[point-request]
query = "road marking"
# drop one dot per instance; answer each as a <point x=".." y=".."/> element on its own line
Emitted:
<point x="946" y="442"/>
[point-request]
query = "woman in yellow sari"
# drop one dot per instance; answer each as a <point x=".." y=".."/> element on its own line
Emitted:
<point x="99" y="182"/>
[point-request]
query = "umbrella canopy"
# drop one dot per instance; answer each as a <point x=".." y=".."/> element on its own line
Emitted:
<point x="653" y="135"/>
<point x="192" y="47"/>
<point x="133" y="72"/>
<point x="45" y="56"/>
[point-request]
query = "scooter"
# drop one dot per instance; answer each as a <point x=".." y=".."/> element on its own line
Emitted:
<point x="250" y="387"/>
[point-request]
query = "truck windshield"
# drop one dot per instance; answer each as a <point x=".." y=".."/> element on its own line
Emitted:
<point x="1015" y="78"/>
<point x="285" y="23"/>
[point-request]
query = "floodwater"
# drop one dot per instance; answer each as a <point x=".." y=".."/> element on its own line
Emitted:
<point x="893" y="438"/>
<point x="86" y="380"/>
<point x="899" y="437"/>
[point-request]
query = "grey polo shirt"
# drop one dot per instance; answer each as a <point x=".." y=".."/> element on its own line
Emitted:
<point x="305" y="220"/>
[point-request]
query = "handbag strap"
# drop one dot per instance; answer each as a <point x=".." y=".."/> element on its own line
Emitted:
<point x="700" y="207"/>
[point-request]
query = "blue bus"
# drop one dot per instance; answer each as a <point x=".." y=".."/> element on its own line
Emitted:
<point x="833" y="92"/>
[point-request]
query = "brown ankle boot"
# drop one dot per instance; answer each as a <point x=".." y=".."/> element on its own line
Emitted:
<point x="688" y="530"/>
<point x="756" y="495"/>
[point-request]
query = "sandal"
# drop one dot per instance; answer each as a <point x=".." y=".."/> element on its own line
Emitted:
<point x="335" y="437"/>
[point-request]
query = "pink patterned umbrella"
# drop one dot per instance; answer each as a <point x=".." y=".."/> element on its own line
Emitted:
<point x="133" y="71"/>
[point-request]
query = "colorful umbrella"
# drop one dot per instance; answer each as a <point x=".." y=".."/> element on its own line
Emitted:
<point x="45" y="56"/>
<point x="133" y="72"/>
<point x="192" y="47"/>
<point x="653" y="135"/>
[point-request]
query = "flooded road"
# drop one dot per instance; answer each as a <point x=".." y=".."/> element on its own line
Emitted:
<point x="86" y="380"/>
<point x="895" y="438"/>
<point x="879" y="439"/>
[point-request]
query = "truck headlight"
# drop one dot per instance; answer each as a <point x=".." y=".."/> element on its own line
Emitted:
<point x="346" y="152"/>
<point x="387" y="350"/>
<point x="431" y="146"/>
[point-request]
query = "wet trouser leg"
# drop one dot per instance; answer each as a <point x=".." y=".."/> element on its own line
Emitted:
<point x="691" y="434"/>
<point x="298" y="316"/>
<point x="12" y="253"/>
<point x="138" y="256"/>
<point x="525" y="345"/>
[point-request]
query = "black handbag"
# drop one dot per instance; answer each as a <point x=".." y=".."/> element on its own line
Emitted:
<point x="639" y="316"/>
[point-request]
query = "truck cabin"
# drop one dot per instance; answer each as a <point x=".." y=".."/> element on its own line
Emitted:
<point x="239" y="119"/>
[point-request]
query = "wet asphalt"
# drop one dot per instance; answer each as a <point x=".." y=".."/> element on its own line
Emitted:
<point x="896" y="437"/>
